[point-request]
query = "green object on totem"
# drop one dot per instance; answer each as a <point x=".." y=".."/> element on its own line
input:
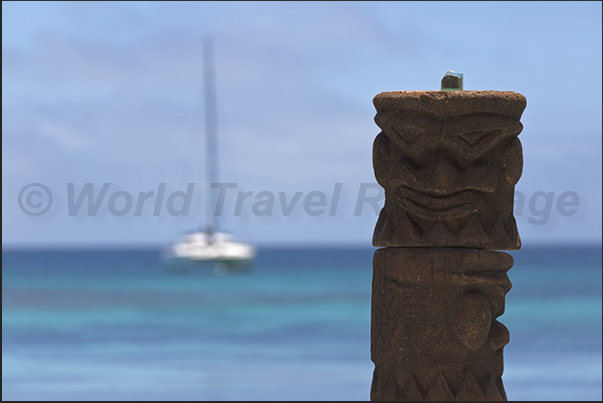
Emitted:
<point x="452" y="81"/>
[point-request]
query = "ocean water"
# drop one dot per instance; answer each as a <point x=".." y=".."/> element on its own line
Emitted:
<point x="115" y="324"/>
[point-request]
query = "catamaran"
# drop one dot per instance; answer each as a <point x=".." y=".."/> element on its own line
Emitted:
<point x="210" y="245"/>
<point x="213" y="247"/>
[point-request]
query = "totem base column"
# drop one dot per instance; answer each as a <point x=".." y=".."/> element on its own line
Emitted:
<point x="434" y="333"/>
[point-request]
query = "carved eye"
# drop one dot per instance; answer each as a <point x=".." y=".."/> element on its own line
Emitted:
<point x="409" y="133"/>
<point x="475" y="137"/>
<point x="472" y="136"/>
<point x="406" y="129"/>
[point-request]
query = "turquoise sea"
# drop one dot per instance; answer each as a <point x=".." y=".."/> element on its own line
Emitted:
<point x="114" y="324"/>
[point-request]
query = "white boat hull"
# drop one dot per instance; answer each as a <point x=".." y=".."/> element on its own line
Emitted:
<point x="215" y="252"/>
<point x="199" y="248"/>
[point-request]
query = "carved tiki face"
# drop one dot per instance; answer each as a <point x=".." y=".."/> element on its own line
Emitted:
<point x="434" y="332"/>
<point x="449" y="162"/>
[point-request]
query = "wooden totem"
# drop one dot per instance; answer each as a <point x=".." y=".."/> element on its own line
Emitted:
<point x="449" y="162"/>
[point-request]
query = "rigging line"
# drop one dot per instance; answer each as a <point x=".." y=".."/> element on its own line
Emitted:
<point x="191" y="143"/>
<point x="189" y="165"/>
<point x="210" y="128"/>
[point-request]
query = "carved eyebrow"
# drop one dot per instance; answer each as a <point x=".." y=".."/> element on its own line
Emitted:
<point x="406" y="126"/>
<point x="398" y="119"/>
<point x="406" y="114"/>
<point x="482" y="131"/>
<point x="471" y="123"/>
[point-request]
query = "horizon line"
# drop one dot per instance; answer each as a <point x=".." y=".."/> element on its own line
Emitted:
<point x="269" y="245"/>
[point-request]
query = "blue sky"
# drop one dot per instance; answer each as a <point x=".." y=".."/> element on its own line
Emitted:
<point x="110" y="93"/>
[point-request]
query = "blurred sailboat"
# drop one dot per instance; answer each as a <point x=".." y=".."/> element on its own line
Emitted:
<point x="219" y="249"/>
<point x="213" y="247"/>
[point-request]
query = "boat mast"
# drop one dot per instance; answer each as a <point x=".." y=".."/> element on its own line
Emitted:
<point x="210" y="130"/>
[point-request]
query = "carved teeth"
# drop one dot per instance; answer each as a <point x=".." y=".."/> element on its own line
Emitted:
<point x="439" y="233"/>
<point x="470" y="234"/>
<point x="411" y="390"/>
<point x="492" y="392"/>
<point x="440" y="390"/>
<point x="499" y="234"/>
<point x="473" y="233"/>
<point x="408" y="227"/>
<point x="470" y="390"/>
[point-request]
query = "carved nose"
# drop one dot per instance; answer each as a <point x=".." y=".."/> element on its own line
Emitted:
<point x="445" y="178"/>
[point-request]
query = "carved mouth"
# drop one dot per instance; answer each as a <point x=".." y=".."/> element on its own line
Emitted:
<point x="428" y="205"/>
